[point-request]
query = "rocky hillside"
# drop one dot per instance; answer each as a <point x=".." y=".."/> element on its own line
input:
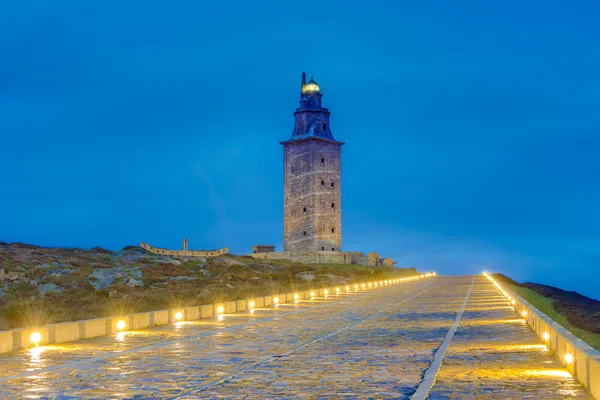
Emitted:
<point x="43" y="285"/>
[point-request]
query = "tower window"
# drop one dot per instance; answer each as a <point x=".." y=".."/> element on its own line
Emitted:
<point x="332" y="230"/>
<point x="332" y="249"/>
<point x="324" y="127"/>
<point x="322" y="183"/>
<point x="322" y="160"/>
<point x="332" y="205"/>
<point x="323" y="248"/>
<point x="304" y="210"/>
<point x="332" y="184"/>
<point x="304" y="233"/>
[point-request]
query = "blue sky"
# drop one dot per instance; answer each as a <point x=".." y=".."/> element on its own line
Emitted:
<point x="471" y="128"/>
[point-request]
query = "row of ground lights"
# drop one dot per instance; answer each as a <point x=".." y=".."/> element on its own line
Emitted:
<point x="121" y="325"/>
<point x="545" y="335"/>
<point x="339" y="290"/>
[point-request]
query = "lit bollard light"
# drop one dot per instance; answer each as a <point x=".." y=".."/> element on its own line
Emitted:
<point x="251" y="305"/>
<point x="35" y="338"/>
<point x="178" y="316"/>
<point x="220" y="311"/>
<point x="121" y="325"/>
<point x="276" y="301"/>
<point x="364" y="286"/>
<point x="296" y="297"/>
<point x="312" y="295"/>
<point x="337" y="291"/>
<point x="568" y="358"/>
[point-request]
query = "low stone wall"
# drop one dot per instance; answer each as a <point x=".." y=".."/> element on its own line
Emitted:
<point x="184" y="253"/>
<point x="579" y="358"/>
<point x="317" y="257"/>
<point x="17" y="339"/>
<point x="6" y="341"/>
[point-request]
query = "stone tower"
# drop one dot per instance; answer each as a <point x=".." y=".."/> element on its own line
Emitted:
<point x="312" y="190"/>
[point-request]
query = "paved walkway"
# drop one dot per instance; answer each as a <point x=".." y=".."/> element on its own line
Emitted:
<point x="367" y="345"/>
<point x="495" y="355"/>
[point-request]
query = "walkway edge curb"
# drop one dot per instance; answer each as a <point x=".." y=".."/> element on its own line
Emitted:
<point x="585" y="360"/>
<point x="428" y="380"/>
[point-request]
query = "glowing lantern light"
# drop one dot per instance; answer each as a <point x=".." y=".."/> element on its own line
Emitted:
<point x="220" y="310"/>
<point x="337" y="290"/>
<point x="568" y="358"/>
<point x="512" y="302"/>
<point x="347" y="288"/>
<point x="546" y="336"/>
<point x="312" y="295"/>
<point x="35" y="337"/>
<point x="251" y="304"/>
<point x="296" y="297"/>
<point x="326" y="292"/>
<point x="121" y="325"/>
<point x="178" y="316"/>
<point x="524" y="313"/>
<point x="276" y="300"/>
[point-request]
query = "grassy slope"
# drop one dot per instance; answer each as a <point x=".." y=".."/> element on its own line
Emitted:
<point x="544" y="304"/>
<point x="204" y="282"/>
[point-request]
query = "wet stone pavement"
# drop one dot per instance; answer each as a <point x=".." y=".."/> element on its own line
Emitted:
<point x="495" y="355"/>
<point x="375" y="344"/>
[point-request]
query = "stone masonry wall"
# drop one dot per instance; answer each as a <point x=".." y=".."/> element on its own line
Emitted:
<point x="184" y="253"/>
<point x="312" y="195"/>
<point x="316" y="257"/>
